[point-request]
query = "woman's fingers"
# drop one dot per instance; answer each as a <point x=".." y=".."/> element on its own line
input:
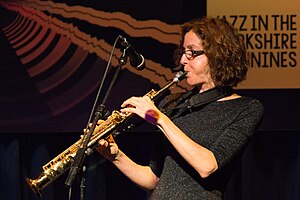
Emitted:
<point x="142" y="106"/>
<point x="110" y="139"/>
<point x="104" y="142"/>
<point x="108" y="148"/>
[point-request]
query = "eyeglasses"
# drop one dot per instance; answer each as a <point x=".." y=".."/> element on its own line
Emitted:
<point x="191" y="54"/>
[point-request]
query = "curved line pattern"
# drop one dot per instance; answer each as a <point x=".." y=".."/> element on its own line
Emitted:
<point x="69" y="33"/>
<point x="30" y="42"/>
<point x="14" y="29"/>
<point x="20" y="38"/>
<point x="91" y="15"/>
<point x="11" y="26"/>
<point x="21" y="46"/>
<point x="19" y="30"/>
<point x="59" y="50"/>
<point x="38" y="51"/>
<point x="61" y="75"/>
<point x="70" y="98"/>
<point x="93" y="45"/>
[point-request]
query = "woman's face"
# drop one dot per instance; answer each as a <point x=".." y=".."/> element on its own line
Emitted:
<point x="197" y="68"/>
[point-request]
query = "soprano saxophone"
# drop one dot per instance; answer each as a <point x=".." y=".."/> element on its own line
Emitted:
<point x="61" y="163"/>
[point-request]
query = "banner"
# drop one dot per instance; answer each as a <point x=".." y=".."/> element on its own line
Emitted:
<point x="271" y="34"/>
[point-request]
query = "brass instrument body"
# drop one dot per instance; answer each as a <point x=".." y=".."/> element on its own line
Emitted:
<point x="61" y="163"/>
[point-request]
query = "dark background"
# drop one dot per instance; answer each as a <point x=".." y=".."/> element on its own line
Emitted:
<point x="269" y="169"/>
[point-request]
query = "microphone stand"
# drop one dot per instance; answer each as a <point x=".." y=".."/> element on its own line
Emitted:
<point x="101" y="113"/>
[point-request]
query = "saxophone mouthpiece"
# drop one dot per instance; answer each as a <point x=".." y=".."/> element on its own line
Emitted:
<point x="180" y="76"/>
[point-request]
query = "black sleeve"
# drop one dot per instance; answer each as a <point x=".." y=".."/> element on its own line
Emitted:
<point x="157" y="154"/>
<point x="238" y="134"/>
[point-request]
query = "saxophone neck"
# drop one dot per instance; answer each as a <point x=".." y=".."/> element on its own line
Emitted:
<point x="178" y="77"/>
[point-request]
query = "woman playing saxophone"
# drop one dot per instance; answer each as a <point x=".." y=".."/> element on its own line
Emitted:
<point x="198" y="142"/>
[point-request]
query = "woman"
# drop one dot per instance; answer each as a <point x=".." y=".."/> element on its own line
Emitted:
<point x="199" y="141"/>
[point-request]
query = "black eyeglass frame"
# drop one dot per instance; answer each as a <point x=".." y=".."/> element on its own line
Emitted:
<point x="194" y="53"/>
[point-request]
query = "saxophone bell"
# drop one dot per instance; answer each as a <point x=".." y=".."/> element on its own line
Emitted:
<point x="35" y="186"/>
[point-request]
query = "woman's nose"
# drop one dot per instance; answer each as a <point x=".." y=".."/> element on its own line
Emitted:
<point x="183" y="59"/>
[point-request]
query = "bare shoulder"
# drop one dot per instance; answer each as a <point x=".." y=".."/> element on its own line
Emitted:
<point x="231" y="97"/>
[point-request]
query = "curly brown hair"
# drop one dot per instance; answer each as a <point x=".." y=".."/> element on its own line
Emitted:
<point x="224" y="48"/>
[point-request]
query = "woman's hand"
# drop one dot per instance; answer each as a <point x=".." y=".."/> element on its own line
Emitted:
<point x="108" y="148"/>
<point x="143" y="107"/>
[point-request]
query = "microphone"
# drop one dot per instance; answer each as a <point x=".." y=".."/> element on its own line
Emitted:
<point x="136" y="59"/>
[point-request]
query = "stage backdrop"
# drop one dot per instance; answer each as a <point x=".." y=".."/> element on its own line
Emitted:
<point x="55" y="56"/>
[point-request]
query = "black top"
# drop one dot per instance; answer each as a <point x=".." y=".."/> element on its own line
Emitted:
<point x="224" y="127"/>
